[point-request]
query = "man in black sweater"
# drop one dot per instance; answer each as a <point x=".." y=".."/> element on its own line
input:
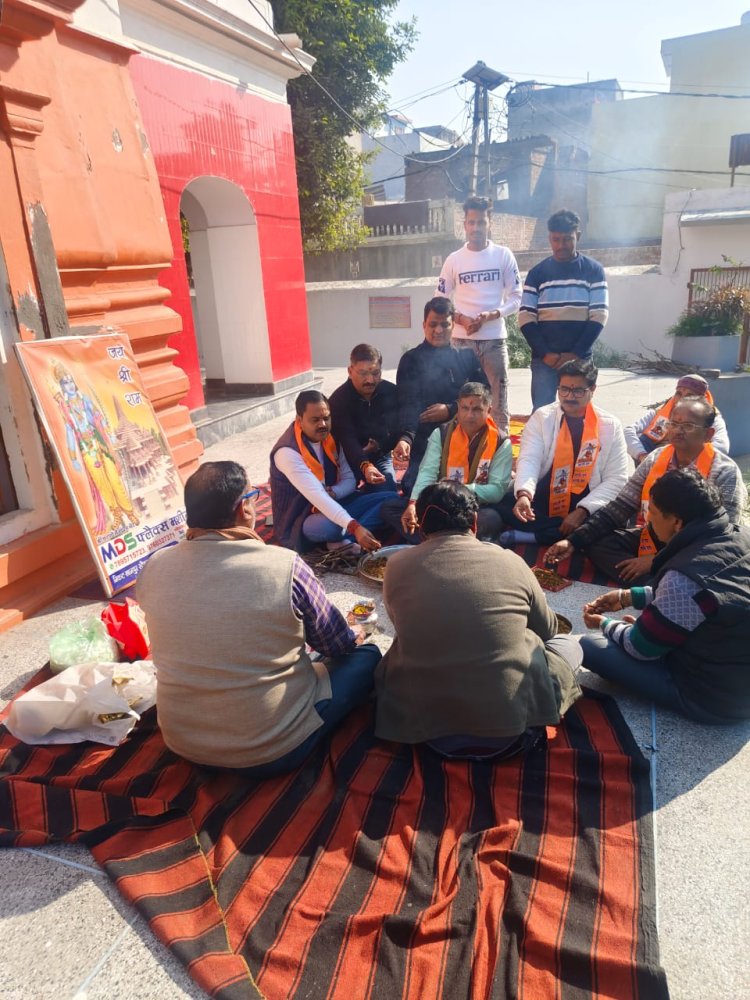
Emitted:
<point x="364" y="416"/>
<point x="428" y="380"/>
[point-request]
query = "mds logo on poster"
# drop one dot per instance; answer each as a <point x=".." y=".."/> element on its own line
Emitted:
<point x="118" y="546"/>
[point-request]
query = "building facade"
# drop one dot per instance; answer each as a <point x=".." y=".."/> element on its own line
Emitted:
<point x="646" y="148"/>
<point x="91" y="193"/>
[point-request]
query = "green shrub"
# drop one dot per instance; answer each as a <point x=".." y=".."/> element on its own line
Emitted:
<point x="719" y="314"/>
<point x="519" y="352"/>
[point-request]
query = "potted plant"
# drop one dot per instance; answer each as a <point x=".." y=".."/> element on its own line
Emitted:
<point x="707" y="334"/>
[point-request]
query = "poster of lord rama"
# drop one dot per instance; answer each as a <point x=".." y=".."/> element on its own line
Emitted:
<point x="110" y="448"/>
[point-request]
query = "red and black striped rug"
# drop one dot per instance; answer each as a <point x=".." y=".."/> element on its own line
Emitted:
<point x="375" y="870"/>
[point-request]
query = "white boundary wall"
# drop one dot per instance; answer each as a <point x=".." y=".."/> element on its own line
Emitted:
<point x="644" y="301"/>
<point x="340" y="316"/>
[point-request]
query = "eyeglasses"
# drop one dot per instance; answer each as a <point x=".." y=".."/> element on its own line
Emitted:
<point x="565" y="391"/>
<point x="252" y="494"/>
<point x="687" y="424"/>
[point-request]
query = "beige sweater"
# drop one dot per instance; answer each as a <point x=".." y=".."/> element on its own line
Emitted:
<point x="469" y="657"/>
<point x="235" y="687"/>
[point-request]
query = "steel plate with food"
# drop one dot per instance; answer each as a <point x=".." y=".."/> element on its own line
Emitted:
<point x="550" y="579"/>
<point x="372" y="565"/>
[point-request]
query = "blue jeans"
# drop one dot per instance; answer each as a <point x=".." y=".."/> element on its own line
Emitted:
<point x="651" y="679"/>
<point x="493" y="357"/>
<point x="351" y="686"/>
<point x="363" y="507"/>
<point x="543" y="383"/>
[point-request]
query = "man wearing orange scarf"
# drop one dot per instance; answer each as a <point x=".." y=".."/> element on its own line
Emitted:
<point x="468" y="449"/>
<point x="649" y="432"/>
<point x="625" y="554"/>
<point x="313" y="489"/>
<point x="572" y="462"/>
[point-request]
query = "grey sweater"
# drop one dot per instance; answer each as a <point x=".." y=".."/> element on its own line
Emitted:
<point x="469" y="657"/>
<point x="725" y="475"/>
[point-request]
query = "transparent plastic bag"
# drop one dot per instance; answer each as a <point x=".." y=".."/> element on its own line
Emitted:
<point x="84" y="641"/>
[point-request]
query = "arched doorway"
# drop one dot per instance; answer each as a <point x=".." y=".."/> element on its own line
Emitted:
<point x="229" y="309"/>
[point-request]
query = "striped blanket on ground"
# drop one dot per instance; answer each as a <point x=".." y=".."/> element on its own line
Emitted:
<point x="375" y="870"/>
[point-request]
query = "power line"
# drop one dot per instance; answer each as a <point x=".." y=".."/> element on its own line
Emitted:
<point x="643" y="83"/>
<point x="360" y="126"/>
<point x="422" y="95"/>
<point x="651" y="93"/>
<point x="428" y="164"/>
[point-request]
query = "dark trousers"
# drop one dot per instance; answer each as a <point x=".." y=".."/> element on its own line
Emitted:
<point x="546" y="529"/>
<point x="351" y="686"/>
<point x="622" y="544"/>
<point x="383" y="464"/>
<point x="650" y="679"/>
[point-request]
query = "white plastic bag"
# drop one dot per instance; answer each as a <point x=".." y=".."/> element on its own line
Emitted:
<point x="90" y="701"/>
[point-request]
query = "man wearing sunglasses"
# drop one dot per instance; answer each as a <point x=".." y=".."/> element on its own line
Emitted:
<point x="229" y="618"/>
<point x="572" y="462"/>
<point x="626" y="554"/>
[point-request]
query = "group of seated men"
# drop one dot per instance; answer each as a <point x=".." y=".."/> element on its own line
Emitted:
<point x="332" y="474"/>
<point x="476" y="668"/>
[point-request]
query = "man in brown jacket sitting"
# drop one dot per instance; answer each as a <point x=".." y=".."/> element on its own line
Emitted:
<point x="476" y="668"/>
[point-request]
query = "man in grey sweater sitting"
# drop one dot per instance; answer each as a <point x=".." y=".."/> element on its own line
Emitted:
<point x="229" y="618"/>
<point x="476" y="668"/>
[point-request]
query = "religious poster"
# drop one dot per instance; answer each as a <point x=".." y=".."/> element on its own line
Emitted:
<point x="110" y="447"/>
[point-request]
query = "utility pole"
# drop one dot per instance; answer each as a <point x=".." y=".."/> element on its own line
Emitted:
<point x="475" y="141"/>
<point x="484" y="80"/>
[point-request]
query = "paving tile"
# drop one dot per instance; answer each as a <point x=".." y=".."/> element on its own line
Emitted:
<point x="703" y="857"/>
<point x="139" y="967"/>
<point x="57" y="923"/>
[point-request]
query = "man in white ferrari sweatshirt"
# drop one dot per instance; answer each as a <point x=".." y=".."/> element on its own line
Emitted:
<point x="483" y="281"/>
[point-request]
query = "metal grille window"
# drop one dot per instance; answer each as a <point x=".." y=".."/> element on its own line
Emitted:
<point x="704" y="280"/>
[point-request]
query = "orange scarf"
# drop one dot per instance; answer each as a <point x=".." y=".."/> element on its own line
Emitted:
<point x="567" y="479"/>
<point x="454" y="462"/>
<point x="657" y="429"/>
<point x="703" y="463"/>
<point x="329" y="447"/>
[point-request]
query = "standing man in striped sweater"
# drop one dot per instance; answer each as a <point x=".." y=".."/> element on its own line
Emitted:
<point x="564" y="306"/>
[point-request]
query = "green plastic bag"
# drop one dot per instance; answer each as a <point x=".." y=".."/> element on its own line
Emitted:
<point x="85" y="641"/>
